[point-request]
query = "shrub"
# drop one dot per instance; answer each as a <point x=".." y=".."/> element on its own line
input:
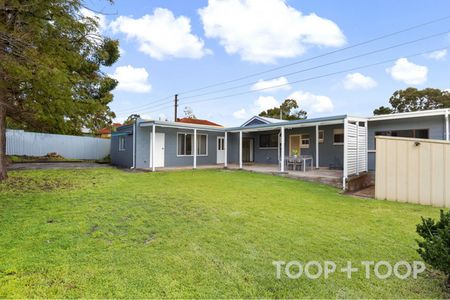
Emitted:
<point x="435" y="246"/>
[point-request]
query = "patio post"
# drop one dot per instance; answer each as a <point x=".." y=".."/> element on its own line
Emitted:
<point x="153" y="146"/>
<point x="240" y="149"/>
<point x="317" y="146"/>
<point x="195" y="149"/>
<point x="345" y="171"/>
<point x="357" y="148"/>
<point x="282" y="150"/>
<point x="225" y="146"/>
<point x="447" y="129"/>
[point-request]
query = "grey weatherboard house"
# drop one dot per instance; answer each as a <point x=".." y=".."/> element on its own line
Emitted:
<point x="338" y="142"/>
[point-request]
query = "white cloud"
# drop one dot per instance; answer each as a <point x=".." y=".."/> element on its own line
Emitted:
<point x="265" y="103"/>
<point x="408" y="72"/>
<point x="312" y="103"/>
<point x="262" y="31"/>
<point x="132" y="79"/>
<point x="437" y="55"/>
<point x="280" y="83"/>
<point x="162" y="35"/>
<point x="356" y="81"/>
<point x="240" y="114"/>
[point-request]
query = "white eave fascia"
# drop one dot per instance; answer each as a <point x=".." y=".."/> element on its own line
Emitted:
<point x="150" y="123"/>
<point x="286" y="126"/>
<point x="415" y="114"/>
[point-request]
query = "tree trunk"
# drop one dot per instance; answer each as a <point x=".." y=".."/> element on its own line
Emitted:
<point x="3" y="174"/>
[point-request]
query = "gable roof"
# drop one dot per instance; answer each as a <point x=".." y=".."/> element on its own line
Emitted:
<point x="264" y="120"/>
<point x="198" y="122"/>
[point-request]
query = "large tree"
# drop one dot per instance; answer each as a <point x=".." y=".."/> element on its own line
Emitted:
<point x="412" y="99"/>
<point x="288" y="110"/>
<point x="51" y="56"/>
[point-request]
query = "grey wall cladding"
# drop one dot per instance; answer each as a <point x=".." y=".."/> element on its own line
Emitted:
<point x="124" y="158"/>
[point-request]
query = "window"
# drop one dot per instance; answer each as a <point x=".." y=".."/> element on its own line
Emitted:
<point x="220" y="144"/>
<point x="201" y="144"/>
<point x="304" y="141"/>
<point x="321" y="136"/>
<point x="122" y="143"/>
<point x="338" y="136"/>
<point x="268" y="140"/>
<point x="408" y="133"/>
<point x="186" y="144"/>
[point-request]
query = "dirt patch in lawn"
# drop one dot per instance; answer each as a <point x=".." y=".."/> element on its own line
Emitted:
<point x="21" y="184"/>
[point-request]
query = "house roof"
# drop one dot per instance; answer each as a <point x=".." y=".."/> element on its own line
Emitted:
<point x="294" y="123"/>
<point x="414" y="114"/>
<point x="265" y="120"/>
<point x="198" y="122"/>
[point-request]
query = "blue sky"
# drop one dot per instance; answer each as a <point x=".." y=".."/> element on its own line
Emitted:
<point x="173" y="46"/>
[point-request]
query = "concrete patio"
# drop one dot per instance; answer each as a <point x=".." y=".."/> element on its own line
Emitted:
<point x="321" y="175"/>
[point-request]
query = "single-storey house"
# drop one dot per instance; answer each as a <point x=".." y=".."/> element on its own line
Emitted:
<point x="337" y="142"/>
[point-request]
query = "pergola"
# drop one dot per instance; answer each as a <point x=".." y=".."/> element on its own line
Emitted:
<point x="355" y="141"/>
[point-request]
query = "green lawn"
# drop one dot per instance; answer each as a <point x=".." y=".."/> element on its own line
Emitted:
<point x="213" y="233"/>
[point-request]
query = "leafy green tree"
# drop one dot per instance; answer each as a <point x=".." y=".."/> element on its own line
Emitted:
<point x="435" y="246"/>
<point x="131" y="119"/>
<point x="288" y="110"/>
<point x="412" y="99"/>
<point x="50" y="69"/>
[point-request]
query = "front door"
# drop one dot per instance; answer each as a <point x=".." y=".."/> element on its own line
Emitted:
<point x="220" y="150"/>
<point x="295" y="145"/>
<point x="159" y="149"/>
<point x="247" y="150"/>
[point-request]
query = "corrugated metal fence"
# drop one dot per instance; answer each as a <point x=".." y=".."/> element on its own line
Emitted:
<point x="19" y="142"/>
<point x="413" y="171"/>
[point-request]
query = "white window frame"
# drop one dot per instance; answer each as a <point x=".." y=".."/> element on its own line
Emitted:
<point x="321" y="140"/>
<point x="122" y="142"/>
<point x="193" y="146"/>
<point x="338" y="131"/>
<point x="302" y="138"/>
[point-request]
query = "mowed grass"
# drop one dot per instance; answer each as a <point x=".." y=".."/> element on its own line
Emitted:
<point x="104" y="233"/>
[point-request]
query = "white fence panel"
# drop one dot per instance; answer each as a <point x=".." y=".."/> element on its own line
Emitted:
<point x="19" y="142"/>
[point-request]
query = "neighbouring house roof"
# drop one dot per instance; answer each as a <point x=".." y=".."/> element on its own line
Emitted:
<point x="198" y="122"/>
<point x="107" y="130"/>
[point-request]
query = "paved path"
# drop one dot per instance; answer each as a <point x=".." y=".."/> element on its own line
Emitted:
<point x="59" y="165"/>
